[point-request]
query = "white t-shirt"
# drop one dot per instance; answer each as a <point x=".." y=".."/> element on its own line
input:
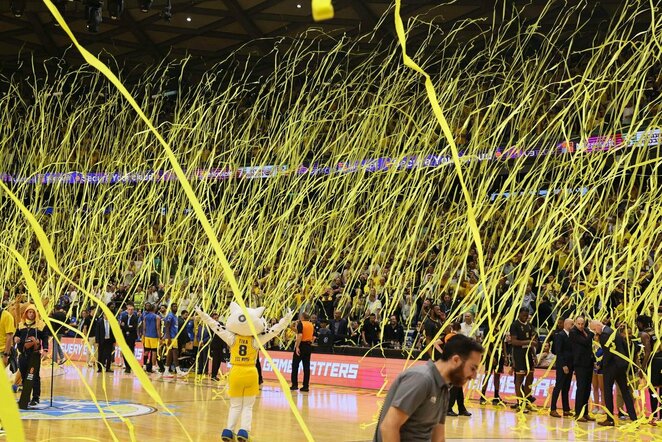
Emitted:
<point x="374" y="306"/>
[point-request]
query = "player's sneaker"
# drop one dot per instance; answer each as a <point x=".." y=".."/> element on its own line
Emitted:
<point x="242" y="436"/>
<point x="227" y="436"/>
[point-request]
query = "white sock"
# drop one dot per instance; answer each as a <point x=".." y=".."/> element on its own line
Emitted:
<point x="234" y="413"/>
<point x="247" y="413"/>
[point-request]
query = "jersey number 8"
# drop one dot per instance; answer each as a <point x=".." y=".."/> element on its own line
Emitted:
<point x="243" y="350"/>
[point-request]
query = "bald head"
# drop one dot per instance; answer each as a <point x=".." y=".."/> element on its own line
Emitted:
<point x="568" y="324"/>
<point x="596" y="327"/>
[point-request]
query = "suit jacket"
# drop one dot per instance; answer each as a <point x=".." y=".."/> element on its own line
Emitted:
<point x="563" y="350"/>
<point x="129" y="326"/>
<point x="582" y="348"/>
<point x="342" y="327"/>
<point x="611" y="361"/>
<point x="100" y="331"/>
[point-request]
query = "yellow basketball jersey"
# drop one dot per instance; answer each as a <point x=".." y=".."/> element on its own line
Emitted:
<point x="242" y="351"/>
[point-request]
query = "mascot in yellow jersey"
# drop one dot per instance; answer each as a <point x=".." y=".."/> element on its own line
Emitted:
<point x="243" y="380"/>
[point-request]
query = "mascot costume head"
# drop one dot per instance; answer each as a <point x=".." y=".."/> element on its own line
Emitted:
<point x="243" y="379"/>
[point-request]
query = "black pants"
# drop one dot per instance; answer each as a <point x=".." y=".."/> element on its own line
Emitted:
<point x="456" y="395"/>
<point x="258" y="365"/>
<point x="303" y="357"/>
<point x="584" y="376"/>
<point x="132" y="345"/>
<point x="106" y="347"/>
<point x="23" y="362"/>
<point x="216" y="355"/>
<point x="619" y="377"/>
<point x="561" y="386"/>
<point x="202" y="359"/>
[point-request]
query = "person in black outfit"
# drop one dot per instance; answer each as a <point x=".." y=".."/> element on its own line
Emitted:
<point x="60" y="316"/>
<point x="394" y="333"/>
<point x="523" y="340"/>
<point x="218" y="352"/>
<point x="31" y="327"/>
<point x="563" y="352"/>
<point x="581" y="342"/>
<point x="129" y="326"/>
<point x="370" y="333"/>
<point x="106" y="341"/>
<point x="338" y="326"/>
<point x="614" y="370"/>
<point x="432" y="326"/>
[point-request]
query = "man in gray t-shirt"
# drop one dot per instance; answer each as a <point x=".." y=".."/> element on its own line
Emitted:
<point x="417" y="402"/>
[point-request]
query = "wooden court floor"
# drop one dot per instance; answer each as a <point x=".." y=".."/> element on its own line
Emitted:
<point x="200" y="409"/>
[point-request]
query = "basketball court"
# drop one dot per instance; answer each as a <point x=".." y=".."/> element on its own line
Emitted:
<point x="200" y="408"/>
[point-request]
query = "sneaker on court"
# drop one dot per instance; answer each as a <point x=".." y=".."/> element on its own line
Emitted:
<point x="227" y="436"/>
<point x="167" y="374"/>
<point x="181" y="372"/>
<point x="242" y="436"/>
<point x="304" y="389"/>
<point x="33" y="403"/>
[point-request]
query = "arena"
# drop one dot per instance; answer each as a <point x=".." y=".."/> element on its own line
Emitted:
<point x="289" y="220"/>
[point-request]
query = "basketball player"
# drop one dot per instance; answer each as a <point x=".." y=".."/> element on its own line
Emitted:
<point x="523" y="341"/>
<point x="151" y="337"/>
<point x="416" y="405"/>
<point x="171" y="328"/>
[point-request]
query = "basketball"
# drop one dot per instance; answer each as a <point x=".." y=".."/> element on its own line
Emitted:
<point x="32" y="343"/>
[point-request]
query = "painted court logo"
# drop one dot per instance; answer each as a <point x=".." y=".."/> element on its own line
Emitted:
<point x="70" y="409"/>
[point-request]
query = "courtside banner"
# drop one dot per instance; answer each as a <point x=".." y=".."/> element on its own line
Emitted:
<point x="371" y="373"/>
<point x="340" y="370"/>
<point x="76" y="350"/>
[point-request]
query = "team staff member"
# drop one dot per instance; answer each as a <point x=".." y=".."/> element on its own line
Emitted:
<point x="302" y="349"/>
<point x="583" y="362"/>
<point x="563" y="352"/>
<point x="129" y="325"/>
<point x="417" y="402"/>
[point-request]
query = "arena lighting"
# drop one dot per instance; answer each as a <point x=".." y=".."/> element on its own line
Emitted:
<point x="93" y="14"/>
<point x="115" y="8"/>
<point x="145" y="5"/>
<point x="17" y="7"/>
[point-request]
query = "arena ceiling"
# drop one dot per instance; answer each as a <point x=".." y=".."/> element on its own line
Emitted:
<point x="208" y="30"/>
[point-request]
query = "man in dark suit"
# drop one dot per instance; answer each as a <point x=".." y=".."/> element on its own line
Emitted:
<point x="614" y="369"/>
<point x="129" y="325"/>
<point x="106" y="341"/>
<point x="338" y="326"/>
<point x="564" y="367"/>
<point x="581" y="341"/>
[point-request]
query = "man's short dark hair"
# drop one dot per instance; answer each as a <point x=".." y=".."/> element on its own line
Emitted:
<point x="462" y="346"/>
<point x="305" y="316"/>
<point x="524" y="310"/>
<point x="645" y="320"/>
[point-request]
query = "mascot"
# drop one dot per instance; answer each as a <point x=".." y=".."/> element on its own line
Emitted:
<point x="243" y="380"/>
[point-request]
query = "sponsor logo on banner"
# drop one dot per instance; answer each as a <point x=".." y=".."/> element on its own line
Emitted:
<point x="76" y="350"/>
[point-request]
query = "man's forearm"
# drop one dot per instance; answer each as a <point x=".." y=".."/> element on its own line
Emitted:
<point x="8" y="343"/>
<point x="389" y="433"/>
